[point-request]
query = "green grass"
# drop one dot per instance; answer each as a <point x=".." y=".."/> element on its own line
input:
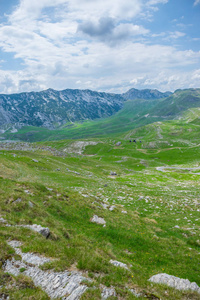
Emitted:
<point x="144" y="238"/>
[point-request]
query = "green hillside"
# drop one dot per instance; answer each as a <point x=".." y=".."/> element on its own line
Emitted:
<point x="153" y="226"/>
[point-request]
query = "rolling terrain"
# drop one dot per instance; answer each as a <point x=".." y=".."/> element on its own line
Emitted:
<point x="147" y="193"/>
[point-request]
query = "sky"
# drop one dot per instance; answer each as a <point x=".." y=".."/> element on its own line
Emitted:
<point x="102" y="45"/>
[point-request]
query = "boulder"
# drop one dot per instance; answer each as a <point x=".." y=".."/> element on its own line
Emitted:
<point x="98" y="220"/>
<point x="113" y="173"/>
<point x="118" y="264"/>
<point x="175" y="282"/>
<point x="38" y="228"/>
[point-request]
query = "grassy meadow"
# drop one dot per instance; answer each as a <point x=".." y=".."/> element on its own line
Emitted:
<point x="156" y="188"/>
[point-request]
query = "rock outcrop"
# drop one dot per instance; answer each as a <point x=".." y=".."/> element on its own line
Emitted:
<point x="175" y="282"/>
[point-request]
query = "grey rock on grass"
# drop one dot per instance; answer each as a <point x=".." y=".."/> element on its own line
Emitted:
<point x="38" y="228"/>
<point x="112" y="207"/>
<point x="108" y="292"/>
<point x="113" y="173"/>
<point x="98" y="220"/>
<point x="175" y="282"/>
<point x="2" y="220"/>
<point x="28" y="257"/>
<point x="65" y="285"/>
<point x="137" y="295"/>
<point x="118" y="264"/>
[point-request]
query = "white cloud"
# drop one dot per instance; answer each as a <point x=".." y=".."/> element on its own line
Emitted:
<point x="155" y="2"/>
<point x="90" y="44"/>
<point x="196" y="2"/>
<point x="125" y="9"/>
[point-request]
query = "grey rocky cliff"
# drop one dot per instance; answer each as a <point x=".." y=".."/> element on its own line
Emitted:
<point x="52" y="108"/>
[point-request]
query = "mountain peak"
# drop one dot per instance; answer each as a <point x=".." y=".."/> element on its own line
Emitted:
<point x="145" y="94"/>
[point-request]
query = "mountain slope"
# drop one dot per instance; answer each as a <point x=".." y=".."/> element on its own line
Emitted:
<point x="177" y="103"/>
<point x="52" y="108"/>
<point x="151" y="211"/>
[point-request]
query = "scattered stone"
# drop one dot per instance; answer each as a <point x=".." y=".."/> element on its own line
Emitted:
<point x="135" y="293"/>
<point x="108" y="292"/>
<point x="118" y="264"/>
<point x="176" y="226"/>
<point x="2" y="220"/>
<point x="27" y="191"/>
<point x="124" y="211"/>
<point x="118" y="144"/>
<point x="141" y="197"/>
<point x="30" y="204"/>
<point x="77" y="173"/>
<point x="38" y="228"/>
<point x="98" y="220"/>
<point x="49" y="189"/>
<point x="113" y="173"/>
<point x="35" y="160"/>
<point x="18" y="200"/>
<point x="105" y="206"/>
<point x="175" y="282"/>
<point x="112" y="207"/>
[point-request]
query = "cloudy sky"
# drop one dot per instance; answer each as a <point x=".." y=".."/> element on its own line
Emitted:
<point x="104" y="45"/>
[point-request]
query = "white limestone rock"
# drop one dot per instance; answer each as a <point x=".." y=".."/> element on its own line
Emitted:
<point x="108" y="292"/>
<point x="2" y="220"/>
<point x="137" y="295"/>
<point x="112" y="207"/>
<point x="65" y="285"/>
<point x="98" y="220"/>
<point x="119" y="264"/>
<point x="175" y="282"/>
<point x="113" y="173"/>
<point x="38" y="228"/>
<point x="104" y="205"/>
<point x="28" y="257"/>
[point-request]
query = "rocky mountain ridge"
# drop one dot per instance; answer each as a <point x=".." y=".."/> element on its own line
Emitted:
<point x="51" y="108"/>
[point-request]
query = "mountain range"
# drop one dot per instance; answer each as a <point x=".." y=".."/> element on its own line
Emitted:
<point x="85" y="113"/>
<point x="53" y="108"/>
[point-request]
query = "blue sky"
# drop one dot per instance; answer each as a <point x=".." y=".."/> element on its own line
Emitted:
<point x="104" y="45"/>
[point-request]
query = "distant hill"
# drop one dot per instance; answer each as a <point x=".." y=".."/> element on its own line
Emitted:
<point x="179" y="101"/>
<point x="145" y="94"/>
